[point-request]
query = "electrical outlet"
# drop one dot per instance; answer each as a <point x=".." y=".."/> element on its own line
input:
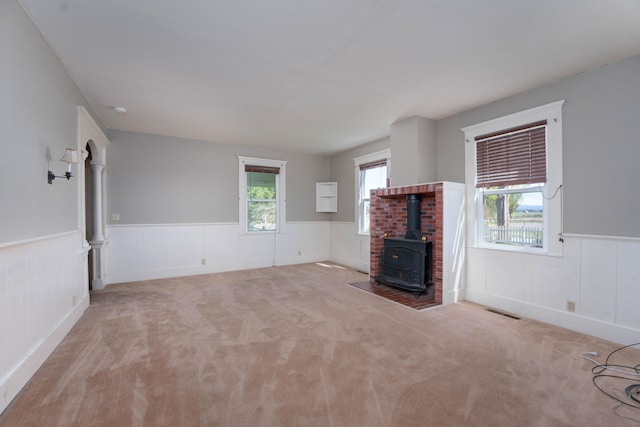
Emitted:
<point x="115" y="217"/>
<point x="299" y="252"/>
<point x="571" y="306"/>
<point x="204" y="261"/>
<point x="74" y="300"/>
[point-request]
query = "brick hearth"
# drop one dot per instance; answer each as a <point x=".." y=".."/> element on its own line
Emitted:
<point x="389" y="215"/>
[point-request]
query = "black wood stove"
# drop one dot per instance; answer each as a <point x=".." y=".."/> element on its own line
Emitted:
<point x="405" y="263"/>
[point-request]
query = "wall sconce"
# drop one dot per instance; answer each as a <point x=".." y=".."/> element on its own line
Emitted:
<point x="70" y="156"/>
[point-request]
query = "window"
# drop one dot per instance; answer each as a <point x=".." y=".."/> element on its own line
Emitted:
<point x="372" y="172"/>
<point x="511" y="176"/>
<point x="262" y="186"/>
<point x="513" y="215"/>
<point x="514" y="172"/>
<point x="261" y="194"/>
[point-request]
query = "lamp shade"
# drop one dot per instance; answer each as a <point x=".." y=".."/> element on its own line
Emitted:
<point x="70" y="156"/>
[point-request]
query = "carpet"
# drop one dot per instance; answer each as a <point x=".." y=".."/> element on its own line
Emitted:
<point x="296" y="346"/>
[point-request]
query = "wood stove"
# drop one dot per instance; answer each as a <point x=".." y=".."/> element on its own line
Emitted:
<point x="405" y="263"/>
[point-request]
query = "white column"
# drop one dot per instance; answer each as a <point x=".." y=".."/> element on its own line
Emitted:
<point x="97" y="240"/>
<point x="98" y="235"/>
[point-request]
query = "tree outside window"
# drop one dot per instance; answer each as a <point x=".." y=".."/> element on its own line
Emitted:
<point x="514" y="215"/>
<point x="261" y="201"/>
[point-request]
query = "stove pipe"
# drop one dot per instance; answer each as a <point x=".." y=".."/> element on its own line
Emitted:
<point x="413" y="217"/>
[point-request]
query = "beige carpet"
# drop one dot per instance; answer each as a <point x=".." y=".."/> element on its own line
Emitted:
<point x="297" y="346"/>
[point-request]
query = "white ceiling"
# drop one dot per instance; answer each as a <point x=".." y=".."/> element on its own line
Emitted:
<point x="320" y="76"/>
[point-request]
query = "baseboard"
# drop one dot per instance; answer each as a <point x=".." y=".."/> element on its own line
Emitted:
<point x="136" y="276"/>
<point x="13" y="382"/>
<point x="354" y="263"/>
<point x="453" y="296"/>
<point x="575" y="322"/>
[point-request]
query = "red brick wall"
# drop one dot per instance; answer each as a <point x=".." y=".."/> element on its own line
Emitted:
<point x="389" y="215"/>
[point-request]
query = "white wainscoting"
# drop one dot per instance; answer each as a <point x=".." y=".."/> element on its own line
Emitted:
<point x="453" y="242"/>
<point x="43" y="292"/>
<point x="600" y="274"/>
<point x="349" y="248"/>
<point x="143" y="252"/>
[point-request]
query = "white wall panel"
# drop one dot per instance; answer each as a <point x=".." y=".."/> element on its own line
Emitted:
<point x="476" y="277"/>
<point x="172" y="247"/>
<point x="598" y="284"/>
<point x="222" y="242"/>
<point x="572" y="249"/>
<point x="508" y="279"/>
<point x="142" y="252"/>
<point x="628" y="291"/>
<point x="454" y="242"/>
<point x="547" y="285"/>
<point x="126" y="244"/>
<point x="316" y="247"/>
<point x="348" y="247"/>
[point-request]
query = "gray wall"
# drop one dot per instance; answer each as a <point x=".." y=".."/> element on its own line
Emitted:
<point x="343" y="172"/>
<point x="601" y="145"/>
<point x="414" y="147"/>
<point x="38" y="117"/>
<point x="155" y="179"/>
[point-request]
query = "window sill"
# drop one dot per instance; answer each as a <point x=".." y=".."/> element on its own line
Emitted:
<point x="518" y="250"/>
<point x="261" y="233"/>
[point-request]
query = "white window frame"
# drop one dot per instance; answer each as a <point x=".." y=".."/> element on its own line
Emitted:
<point x="552" y="206"/>
<point x="280" y="192"/>
<point x="514" y="189"/>
<point x="368" y="158"/>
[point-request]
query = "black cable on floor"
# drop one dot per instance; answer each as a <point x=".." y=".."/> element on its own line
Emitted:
<point x="632" y="405"/>
<point x="632" y="391"/>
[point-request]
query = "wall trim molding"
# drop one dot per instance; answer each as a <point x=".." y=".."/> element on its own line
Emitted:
<point x="4" y="245"/>
<point x="175" y="224"/>
<point x="205" y="224"/>
<point x="600" y="237"/>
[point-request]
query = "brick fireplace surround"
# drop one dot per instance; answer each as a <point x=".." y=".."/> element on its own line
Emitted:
<point x="388" y="214"/>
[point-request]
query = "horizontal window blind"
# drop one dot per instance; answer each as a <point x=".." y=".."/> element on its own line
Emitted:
<point x="512" y="156"/>
<point x="371" y="165"/>
<point x="262" y="169"/>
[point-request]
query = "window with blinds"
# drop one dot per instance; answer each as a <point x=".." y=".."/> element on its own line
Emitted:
<point x="373" y="165"/>
<point x="511" y="169"/>
<point x="261" y="197"/>
<point x="513" y="176"/>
